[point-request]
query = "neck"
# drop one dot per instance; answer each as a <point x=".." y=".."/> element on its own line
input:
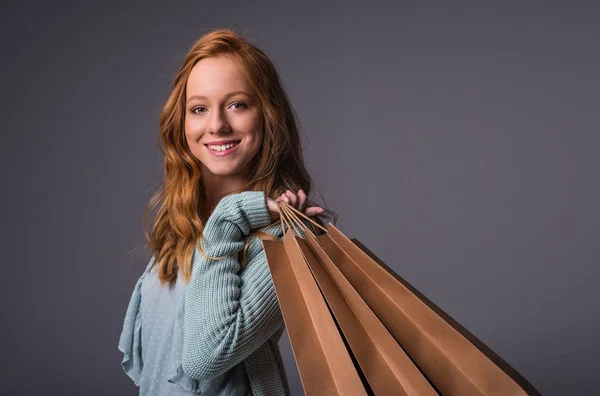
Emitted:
<point x="215" y="187"/>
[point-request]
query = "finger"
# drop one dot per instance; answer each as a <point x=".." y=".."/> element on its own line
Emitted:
<point x="292" y="197"/>
<point x="301" y="200"/>
<point x="272" y="205"/>
<point x="313" y="211"/>
<point x="284" y="198"/>
<point x="273" y="208"/>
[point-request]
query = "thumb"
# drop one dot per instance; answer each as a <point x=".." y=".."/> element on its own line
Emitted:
<point x="273" y="208"/>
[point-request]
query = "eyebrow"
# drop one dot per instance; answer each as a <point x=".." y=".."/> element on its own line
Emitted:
<point x="226" y="96"/>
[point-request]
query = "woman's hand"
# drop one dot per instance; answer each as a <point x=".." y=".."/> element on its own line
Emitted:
<point x="298" y="201"/>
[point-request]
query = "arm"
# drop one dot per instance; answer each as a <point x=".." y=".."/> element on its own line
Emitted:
<point x="227" y="316"/>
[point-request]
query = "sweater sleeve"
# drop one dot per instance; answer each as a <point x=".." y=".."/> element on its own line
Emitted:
<point x="228" y="315"/>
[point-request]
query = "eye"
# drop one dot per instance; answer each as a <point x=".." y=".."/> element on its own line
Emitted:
<point x="239" y="104"/>
<point x="198" y="108"/>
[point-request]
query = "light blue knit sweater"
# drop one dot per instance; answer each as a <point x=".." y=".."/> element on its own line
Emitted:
<point x="228" y="317"/>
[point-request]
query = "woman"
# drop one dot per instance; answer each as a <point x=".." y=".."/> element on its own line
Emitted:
<point x="204" y="316"/>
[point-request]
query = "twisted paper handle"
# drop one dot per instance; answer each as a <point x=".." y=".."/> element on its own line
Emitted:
<point x="290" y="218"/>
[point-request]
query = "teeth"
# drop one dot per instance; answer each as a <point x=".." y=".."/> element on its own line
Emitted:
<point x="222" y="147"/>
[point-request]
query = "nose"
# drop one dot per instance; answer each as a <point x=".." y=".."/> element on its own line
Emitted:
<point x="217" y="123"/>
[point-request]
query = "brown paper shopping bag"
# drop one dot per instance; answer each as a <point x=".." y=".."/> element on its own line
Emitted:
<point x="324" y="364"/>
<point x="451" y="358"/>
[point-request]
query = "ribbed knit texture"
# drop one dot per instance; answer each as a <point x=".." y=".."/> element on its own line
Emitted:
<point x="231" y="317"/>
<point x="228" y="317"/>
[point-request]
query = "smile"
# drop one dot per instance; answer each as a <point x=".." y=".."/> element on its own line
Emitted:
<point x="222" y="149"/>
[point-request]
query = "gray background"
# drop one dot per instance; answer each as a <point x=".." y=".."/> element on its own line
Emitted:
<point x="457" y="141"/>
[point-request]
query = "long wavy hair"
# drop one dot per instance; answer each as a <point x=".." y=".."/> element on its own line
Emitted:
<point x="177" y="226"/>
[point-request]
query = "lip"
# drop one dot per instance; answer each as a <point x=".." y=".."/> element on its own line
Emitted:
<point x="221" y="142"/>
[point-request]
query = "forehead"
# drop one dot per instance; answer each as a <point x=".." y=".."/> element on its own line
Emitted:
<point x="216" y="76"/>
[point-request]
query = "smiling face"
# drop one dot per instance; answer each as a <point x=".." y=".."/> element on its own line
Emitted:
<point x="223" y="117"/>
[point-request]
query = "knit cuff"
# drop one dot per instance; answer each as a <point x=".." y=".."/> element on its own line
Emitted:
<point x="255" y="206"/>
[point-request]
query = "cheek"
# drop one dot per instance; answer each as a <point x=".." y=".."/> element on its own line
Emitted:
<point x="256" y="142"/>
<point x="192" y="131"/>
<point x="255" y="130"/>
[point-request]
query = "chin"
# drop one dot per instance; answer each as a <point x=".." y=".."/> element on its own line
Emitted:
<point x="222" y="170"/>
<point x="223" y="173"/>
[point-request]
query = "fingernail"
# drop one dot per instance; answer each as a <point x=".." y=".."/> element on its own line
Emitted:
<point x="320" y="210"/>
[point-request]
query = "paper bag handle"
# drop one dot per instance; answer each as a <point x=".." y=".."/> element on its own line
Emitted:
<point x="290" y="218"/>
